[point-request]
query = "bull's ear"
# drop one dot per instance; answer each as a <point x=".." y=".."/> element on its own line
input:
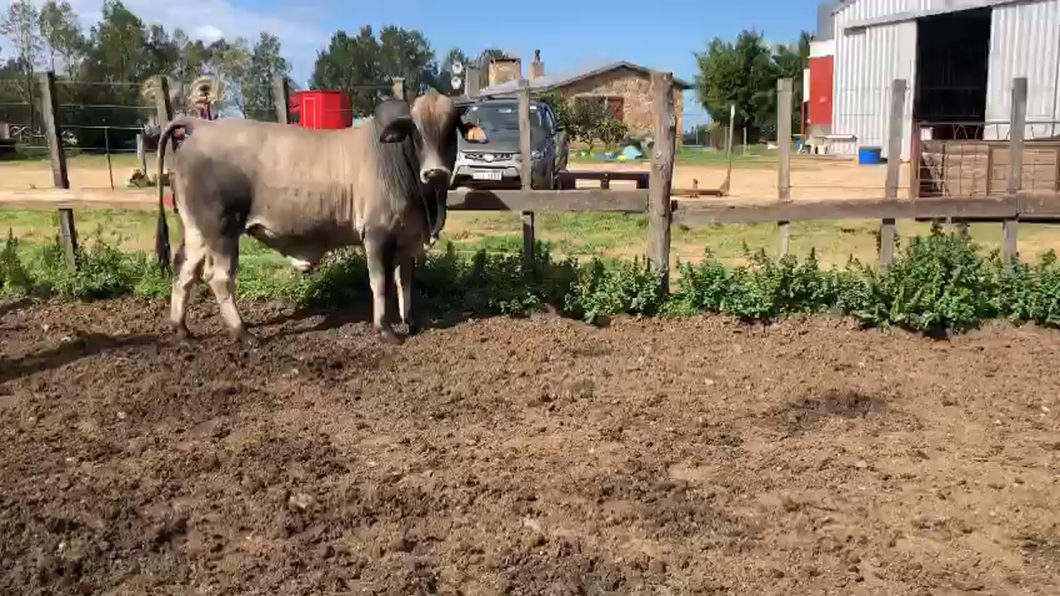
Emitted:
<point x="397" y="130"/>
<point x="472" y="132"/>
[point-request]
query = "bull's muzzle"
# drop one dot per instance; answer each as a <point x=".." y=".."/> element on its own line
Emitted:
<point x="435" y="175"/>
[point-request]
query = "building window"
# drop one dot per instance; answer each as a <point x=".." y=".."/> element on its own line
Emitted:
<point x="616" y="106"/>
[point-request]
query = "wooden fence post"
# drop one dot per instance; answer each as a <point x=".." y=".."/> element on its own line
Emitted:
<point x="526" y="171"/>
<point x="163" y="107"/>
<point x="141" y="152"/>
<point x="729" y="150"/>
<point x="1017" y="128"/>
<point x="60" y="175"/>
<point x="662" y="174"/>
<point x="397" y="88"/>
<point x="784" y="150"/>
<point x="281" y="98"/>
<point x="894" y="168"/>
<point x="164" y="114"/>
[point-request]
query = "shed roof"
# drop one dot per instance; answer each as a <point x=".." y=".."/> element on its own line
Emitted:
<point x="549" y="82"/>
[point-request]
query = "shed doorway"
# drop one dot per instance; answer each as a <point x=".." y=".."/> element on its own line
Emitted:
<point x="952" y="58"/>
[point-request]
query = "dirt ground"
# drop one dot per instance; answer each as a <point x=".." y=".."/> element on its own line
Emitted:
<point x="535" y="456"/>
<point x="811" y="177"/>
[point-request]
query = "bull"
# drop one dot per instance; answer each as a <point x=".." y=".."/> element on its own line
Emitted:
<point x="302" y="192"/>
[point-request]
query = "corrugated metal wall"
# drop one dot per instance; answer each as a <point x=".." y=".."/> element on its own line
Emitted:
<point x="1025" y="42"/>
<point x="865" y="64"/>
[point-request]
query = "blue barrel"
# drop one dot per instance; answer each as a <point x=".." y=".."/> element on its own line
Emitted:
<point x="870" y="155"/>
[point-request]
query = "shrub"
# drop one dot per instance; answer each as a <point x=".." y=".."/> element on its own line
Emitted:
<point x="940" y="282"/>
<point x="14" y="279"/>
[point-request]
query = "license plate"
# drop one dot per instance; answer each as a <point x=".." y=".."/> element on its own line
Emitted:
<point x="486" y="175"/>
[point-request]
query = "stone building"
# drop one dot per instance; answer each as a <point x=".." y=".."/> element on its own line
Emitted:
<point x="624" y="86"/>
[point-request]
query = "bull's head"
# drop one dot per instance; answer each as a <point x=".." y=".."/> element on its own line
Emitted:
<point x="432" y="123"/>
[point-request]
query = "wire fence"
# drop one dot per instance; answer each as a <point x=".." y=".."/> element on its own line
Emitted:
<point x="116" y="122"/>
<point x="972" y="158"/>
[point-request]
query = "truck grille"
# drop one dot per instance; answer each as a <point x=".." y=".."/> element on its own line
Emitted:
<point x="489" y="157"/>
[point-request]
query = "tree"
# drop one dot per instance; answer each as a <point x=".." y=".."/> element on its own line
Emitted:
<point x="406" y="54"/>
<point x="791" y="64"/>
<point x="61" y="33"/>
<point x="234" y="72"/>
<point x="443" y="80"/>
<point x="117" y="54"/>
<point x="742" y="73"/>
<point x="746" y="73"/>
<point x="612" y="131"/>
<point x="363" y="66"/>
<point x="20" y="26"/>
<point x="266" y="62"/>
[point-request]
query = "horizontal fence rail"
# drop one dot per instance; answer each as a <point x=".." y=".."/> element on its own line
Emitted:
<point x="654" y="194"/>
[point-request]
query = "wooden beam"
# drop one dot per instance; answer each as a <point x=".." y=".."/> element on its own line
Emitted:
<point x="662" y="174"/>
<point x="49" y="102"/>
<point x="553" y="201"/>
<point x="1017" y="128"/>
<point x="784" y="163"/>
<point x="281" y="98"/>
<point x="526" y="171"/>
<point x="894" y="169"/>
<point x="955" y="208"/>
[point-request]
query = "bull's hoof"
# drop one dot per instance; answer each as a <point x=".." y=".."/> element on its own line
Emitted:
<point x="414" y="329"/>
<point x="182" y="333"/>
<point x="247" y="339"/>
<point x="390" y="337"/>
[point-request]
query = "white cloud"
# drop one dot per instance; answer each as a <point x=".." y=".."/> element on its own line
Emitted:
<point x="211" y="19"/>
<point x="208" y="33"/>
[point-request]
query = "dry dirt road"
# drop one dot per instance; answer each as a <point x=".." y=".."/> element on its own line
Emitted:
<point x="811" y="178"/>
<point x="535" y="456"/>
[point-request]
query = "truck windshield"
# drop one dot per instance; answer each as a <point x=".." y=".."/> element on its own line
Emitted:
<point x="500" y="118"/>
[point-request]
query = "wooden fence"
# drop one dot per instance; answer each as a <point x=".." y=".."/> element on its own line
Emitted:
<point x="656" y="200"/>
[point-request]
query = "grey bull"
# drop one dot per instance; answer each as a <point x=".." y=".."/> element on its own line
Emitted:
<point x="304" y="192"/>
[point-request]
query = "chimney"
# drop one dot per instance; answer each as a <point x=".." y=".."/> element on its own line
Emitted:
<point x="505" y="69"/>
<point x="537" y="67"/>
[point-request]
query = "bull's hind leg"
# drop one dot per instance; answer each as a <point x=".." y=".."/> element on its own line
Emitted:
<point x="381" y="249"/>
<point x="224" y="266"/>
<point x="188" y="267"/>
<point x="409" y="313"/>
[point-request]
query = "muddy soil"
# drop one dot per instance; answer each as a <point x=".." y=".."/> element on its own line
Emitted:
<point x="535" y="456"/>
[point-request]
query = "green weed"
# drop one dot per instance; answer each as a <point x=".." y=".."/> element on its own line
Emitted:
<point x="937" y="283"/>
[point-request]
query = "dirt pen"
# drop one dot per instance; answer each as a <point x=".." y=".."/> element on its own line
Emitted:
<point x="537" y="456"/>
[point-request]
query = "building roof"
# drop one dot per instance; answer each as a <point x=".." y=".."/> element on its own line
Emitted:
<point x="549" y="82"/>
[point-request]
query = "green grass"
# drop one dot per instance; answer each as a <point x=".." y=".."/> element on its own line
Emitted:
<point x="604" y="235"/>
<point x="756" y="157"/>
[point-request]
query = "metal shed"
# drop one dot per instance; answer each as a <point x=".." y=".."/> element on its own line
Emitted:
<point x="876" y="41"/>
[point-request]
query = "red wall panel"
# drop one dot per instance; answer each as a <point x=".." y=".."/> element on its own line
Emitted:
<point x="820" y="104"/>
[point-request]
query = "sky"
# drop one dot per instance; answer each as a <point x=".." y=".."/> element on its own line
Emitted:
<point x="662" y="35"/>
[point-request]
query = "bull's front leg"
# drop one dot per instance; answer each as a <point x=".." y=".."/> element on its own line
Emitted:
<point x="406" y="302"/>
<point x="381" y="249"/>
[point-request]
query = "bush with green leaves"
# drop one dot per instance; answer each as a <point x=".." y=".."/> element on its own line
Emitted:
<point x="940" y="282"/>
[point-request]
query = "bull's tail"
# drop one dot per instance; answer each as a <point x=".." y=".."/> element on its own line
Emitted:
<point x="162" y="249"/>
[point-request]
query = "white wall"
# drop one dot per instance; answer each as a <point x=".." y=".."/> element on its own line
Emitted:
<point x="865" y="64"/>
<point x="1025" y="42"/>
